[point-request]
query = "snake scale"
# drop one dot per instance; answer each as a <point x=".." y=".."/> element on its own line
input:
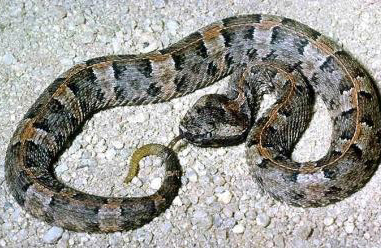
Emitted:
<point x="262" y="54"/>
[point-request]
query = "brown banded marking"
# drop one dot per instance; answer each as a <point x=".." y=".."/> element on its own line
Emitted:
<point x="38" y="199"/>
<point x="41" y="137"/>
<point x="67" y="98"/>
<point x="215" y="44"/>
<point x="105" y="75"/>
<point x="108" y="210"/>
<point x="163" y="68"/>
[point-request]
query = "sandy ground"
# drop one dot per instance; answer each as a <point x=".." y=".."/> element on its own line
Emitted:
<point x="219" y="205"/>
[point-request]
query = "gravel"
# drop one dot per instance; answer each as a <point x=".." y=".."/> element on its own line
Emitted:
<point x="219" y="205"/>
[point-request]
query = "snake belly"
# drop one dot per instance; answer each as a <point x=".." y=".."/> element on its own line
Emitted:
<point x="199" y="60"/>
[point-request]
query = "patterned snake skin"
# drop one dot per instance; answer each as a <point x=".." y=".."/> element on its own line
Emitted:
<point x="262" y="53"/>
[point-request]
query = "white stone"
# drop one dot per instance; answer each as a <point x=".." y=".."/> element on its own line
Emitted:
<point x="110" y="154"/>
<point x="210" y="199"/>
<point x="192" y="176"/>
<point x="140" y="235"/>
<point x="156" y="183"/>
<point x="148" y="238"/>
<point x="53" y="235"/>
<point x="304" y="232"/>
<point x="263" y="220"/>
<point x="228" y="212"/>
<point x="172" y="26"/>
<point x="61" y="168"/>
<point x="177" y="201"/>
<point x="349" y="227"/>
<point x="79" y="19"/>
<point x="116" y="44"/>
<point x="8" y="59"/>
<point x="328" y="221"/>
<point x="118" y="144"/>
<point x="147" y="43"/>
<point x="238" y="215"/>
<point x="238" y="229"/>
<point x="167" y="227"/>
<point x="2" y="243"/>
<point x="218" y="180"/>
<point x="136" y="181"/>
<point x="225" y="197"/>
<point x="66" y="61"/>
<point x="59" y="12"/>
<point x="202" y="219"/>
<point x="100" y="148"/>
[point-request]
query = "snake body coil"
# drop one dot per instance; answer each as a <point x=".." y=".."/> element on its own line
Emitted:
<point x="295" y="61"/>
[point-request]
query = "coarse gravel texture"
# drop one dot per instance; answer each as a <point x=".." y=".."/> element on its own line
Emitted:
<point x="219" y="205"/>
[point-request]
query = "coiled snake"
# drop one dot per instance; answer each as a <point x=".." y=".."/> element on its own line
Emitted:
<point x="262" y="54"/>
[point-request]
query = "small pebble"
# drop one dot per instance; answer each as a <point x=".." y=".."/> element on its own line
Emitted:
<point x="118" y="144"/>
<point x="59" y="12"/>
<point x="136" y="181"/>
<point x="217" y="220"/>
<point x="148" y="238"/>
<point x="238" y="229"/>
<point x="167" y="227"/>
<point x="328" y="221"/>
<point x="172" y="26"/>
<point x="224" y="197"/>
<point x="218" y="180"/>
<point x="210" y="199"/>
<point x="349" y="227"/>
<point x="304" y="232"/>
<point x="263" y="220"/>
<point x="238" y="215"/>
<point x="110" y="154"/>
<point x="228" y="212"/>
<point x="53" y="235"/>
<point x="202" y="219"/>
<point x="8" y="59"/>
<point x="3" y="243"/>
<point x="192" y="176"/>
<point x="177" y="201"/>
<point x="156" y="183"/>
<point x="79" y="19"/>
<point x="147" y="43"/>
<point x="140" y="234"/>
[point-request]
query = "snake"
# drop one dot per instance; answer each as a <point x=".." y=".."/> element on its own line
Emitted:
<point x="260" y="55"/>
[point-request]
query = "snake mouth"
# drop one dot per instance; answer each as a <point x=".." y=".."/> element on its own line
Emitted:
<point x="207" y="139"/>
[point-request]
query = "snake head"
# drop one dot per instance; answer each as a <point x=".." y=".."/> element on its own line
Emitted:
<point x="213" y="121"/>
